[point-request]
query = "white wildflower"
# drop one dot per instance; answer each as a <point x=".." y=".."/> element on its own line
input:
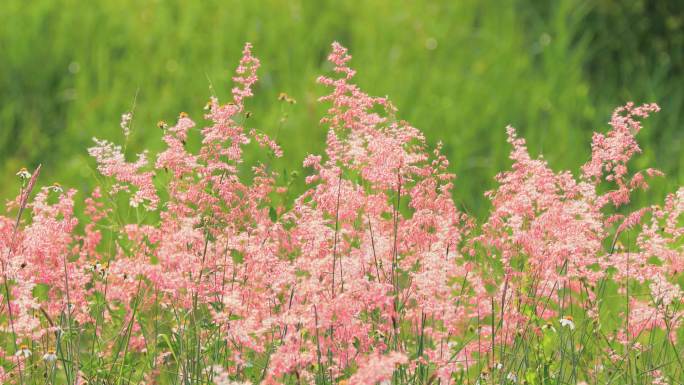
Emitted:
<point x="23" y="351"/>
<point x="512" y="377"/>
<point x="56" y="187"/>
<point x="125" y="123"/>
<point x="24" y="174"/>
<point x="567" y="322"/>
<point x="50" y="356"/>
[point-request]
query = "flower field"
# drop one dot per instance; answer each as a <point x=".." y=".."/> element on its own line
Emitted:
<point x="191" y="266"/>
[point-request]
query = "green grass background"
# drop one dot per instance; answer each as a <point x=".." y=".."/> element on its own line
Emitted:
<point x="458" y="70"/>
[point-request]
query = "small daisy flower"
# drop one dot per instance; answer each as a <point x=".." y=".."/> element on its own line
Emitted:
<point x="567" y="321"/>
<point x="56" y="187"/>
<point x="23" y="351"/>
<point x="50" y="356"/>
<point x="24" y="173"/>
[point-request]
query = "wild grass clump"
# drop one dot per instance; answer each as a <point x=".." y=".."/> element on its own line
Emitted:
<point x="194" y="267"/>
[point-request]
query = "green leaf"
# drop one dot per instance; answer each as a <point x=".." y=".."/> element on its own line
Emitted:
<point x="237" y="256"/>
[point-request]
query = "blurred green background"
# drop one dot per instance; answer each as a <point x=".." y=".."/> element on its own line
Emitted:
<point x="458" y="70"/>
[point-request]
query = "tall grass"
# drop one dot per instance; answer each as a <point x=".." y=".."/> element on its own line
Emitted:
<point x="187" y="273"/>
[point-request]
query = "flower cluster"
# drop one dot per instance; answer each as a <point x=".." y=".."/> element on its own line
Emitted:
<point x="207" y="273"/>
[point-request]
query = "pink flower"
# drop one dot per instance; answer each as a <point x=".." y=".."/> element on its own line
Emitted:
<point x="377" y="369"/>
<point x="372" y="269"/>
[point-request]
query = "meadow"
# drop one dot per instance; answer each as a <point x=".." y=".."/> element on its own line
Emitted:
<point x="217" y="193"/>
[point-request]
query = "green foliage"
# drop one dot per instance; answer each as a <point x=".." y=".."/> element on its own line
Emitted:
<point x="459" y="70"/>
